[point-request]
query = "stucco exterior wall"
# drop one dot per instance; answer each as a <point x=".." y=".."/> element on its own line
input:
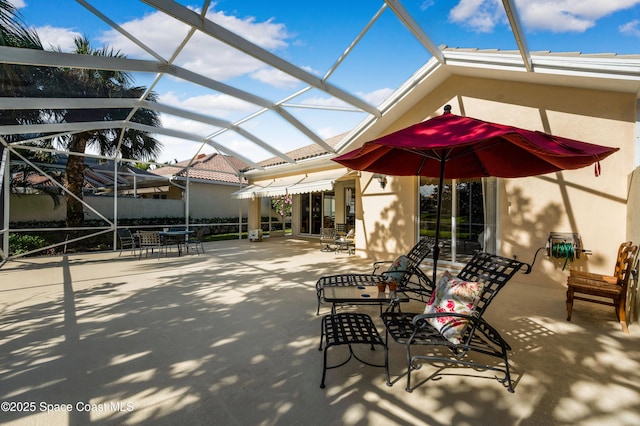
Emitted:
<point x="386" y="217"/>
<point x="42" y="208"/>
<point x="206" y="201"/>
<point x="575" y="201"/>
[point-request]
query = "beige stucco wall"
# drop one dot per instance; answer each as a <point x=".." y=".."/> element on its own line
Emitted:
<point x="207" y="201"/>
<point x="530" y="208"/>
<point x="386" y="217"/>
<point x="42" y="208"/>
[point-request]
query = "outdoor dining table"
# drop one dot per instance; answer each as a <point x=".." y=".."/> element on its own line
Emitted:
<point x="176" y="237"/>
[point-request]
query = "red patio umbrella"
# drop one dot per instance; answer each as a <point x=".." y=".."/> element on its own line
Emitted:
<point x="454" y="147"/>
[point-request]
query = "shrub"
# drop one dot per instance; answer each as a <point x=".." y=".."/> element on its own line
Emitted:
<point x="23" y="243"/>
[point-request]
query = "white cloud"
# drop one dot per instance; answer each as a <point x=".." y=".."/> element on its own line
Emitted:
<point x="180" y="149"/>
<point x="202" y="54"/>
<point x="377" y="96"/>
<point x="54" y="38"/>
<point x="426" y="4"/>
<point x="328" y="132"/>
<point x="18" y="4"/>
<point x="568" y="15"/>
<point x="548" y="15"/>
<point x="479" y="15"/>
<point x="325" y="101"/>
<point x="631" y="28"/>
<point x="215" y="105"/>
<point x="275" y="78"/>
<point x="374" y="98"/>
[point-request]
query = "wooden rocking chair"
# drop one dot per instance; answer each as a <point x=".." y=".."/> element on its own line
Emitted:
<point x="598" y="286"/>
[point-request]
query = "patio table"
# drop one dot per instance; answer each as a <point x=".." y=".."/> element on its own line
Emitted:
<point x="175" y="237"/>
<point x="360" y="295"/>
<point x="342" y="244"/>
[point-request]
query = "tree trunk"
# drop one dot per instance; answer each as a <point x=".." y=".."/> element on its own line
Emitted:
<point x="74" y="182"/>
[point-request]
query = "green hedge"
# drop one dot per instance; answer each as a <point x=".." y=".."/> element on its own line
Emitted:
<point x="26" y="241"/>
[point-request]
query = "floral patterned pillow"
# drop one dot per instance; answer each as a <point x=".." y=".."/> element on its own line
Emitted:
<point x="397" y="269"/>
<point x="452" y="295"/>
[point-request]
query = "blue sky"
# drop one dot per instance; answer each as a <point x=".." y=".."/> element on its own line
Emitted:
<point x="313" y="35"/>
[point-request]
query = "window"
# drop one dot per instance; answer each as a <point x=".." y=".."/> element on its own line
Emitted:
<point x="350" y="206"/>
<point x="467" y="219"/>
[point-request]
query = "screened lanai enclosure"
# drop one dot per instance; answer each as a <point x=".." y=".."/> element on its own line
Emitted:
<point x="91" y="111"/>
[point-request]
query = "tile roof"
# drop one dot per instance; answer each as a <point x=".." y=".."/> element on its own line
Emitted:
<point x="216" y="167"/>
<point x="97" y="174"/>
<point x="212" y="167"/>
<point x="305" y="152"/>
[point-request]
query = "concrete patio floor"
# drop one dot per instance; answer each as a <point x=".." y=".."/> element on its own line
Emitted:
<point x="231" y="338"/>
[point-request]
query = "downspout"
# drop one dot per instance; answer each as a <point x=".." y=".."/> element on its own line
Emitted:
<point x="186" y="201"/>
<point x="173" y="181"/>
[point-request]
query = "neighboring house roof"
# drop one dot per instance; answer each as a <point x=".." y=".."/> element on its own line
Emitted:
<point x="206" y="167"/>
<point x="98" y="175"/>
<point x="305" y="152"/>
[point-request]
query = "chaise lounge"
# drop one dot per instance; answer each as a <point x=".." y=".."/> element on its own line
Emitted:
<point x="406" y="270"/>
<point x="457" y="330"/>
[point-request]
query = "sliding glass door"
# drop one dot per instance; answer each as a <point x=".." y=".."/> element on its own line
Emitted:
<point x="467" y="220"/>
<point x="317" y="210"/>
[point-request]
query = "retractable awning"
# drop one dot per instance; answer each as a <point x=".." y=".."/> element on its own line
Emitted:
<point x="269" y="188"/>
<point x="315" y="182"/>
<point x="312" y="182"/>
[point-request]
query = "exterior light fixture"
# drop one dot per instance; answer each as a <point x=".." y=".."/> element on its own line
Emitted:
<point x="382" y="179"/>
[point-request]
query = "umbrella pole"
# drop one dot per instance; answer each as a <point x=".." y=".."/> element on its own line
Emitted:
<point x="436" y="247"/>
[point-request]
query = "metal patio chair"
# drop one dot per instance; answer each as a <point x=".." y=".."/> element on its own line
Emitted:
<point x="197" y="240"/>
<point x="150" y="240"/>
<point x="127" y="241"/>
<point x="327" y="239"/>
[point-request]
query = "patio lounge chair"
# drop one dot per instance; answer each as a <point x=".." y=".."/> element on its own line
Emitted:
<point x="452" y="336"/>
<point x="410" y="277"/>
<point x="612" y="287"/>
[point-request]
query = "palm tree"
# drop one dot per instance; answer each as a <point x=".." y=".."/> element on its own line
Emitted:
<point x="101" y="84"/>
<point x="40" y="81"/>
<point x="15" y="81"/>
